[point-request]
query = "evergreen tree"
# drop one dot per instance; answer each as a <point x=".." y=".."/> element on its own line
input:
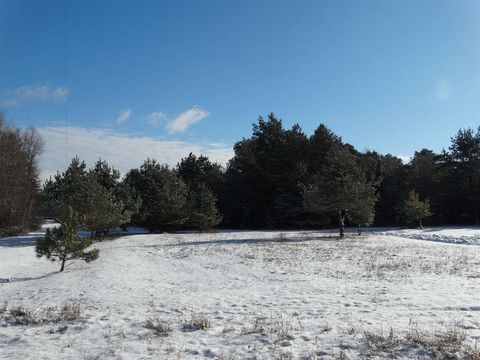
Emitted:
<point x="118" y="203"/>
<point x="340" y="188"/>
<point x="91" y="193"/>
<point x="288" y="202"/>
<point x="195" y="171"/>
<point x="371" y="164"/>
<point x="320" y="145"/>
<point x="163" y="194"/>
<point x="100" y="209"/>
<point x="362" y="212"/>
<point x="262" y="180"/>
<point x="130" y="200"/>
<point x="464" y="175"/>
<point x="203" y="212"/>
<point x="67" y="189"/>
<point x="425" y="174"/>
<point x="108" y="177"/>
<point x="63" y="244"/>
<point x="391" y="189"/>
<point x="414" y="209"/>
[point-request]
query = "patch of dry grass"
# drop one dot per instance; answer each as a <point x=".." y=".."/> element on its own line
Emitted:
<point x="279" y="327"/>
<point x="449" y="343"/>
<point x="197" y="322"/>
<point x="23" y="315"/>
<point x="161" y="327"/>
<point x="69" y="311"/>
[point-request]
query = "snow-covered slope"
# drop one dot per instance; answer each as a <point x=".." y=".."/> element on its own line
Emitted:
<point x="263" y="295"/>
<point x="457" y="235"/>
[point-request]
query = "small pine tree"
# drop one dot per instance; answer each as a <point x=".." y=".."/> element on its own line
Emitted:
<point x="362" y="211"/>
<point x="341" y="188"/>
<point x="63" y="244"/>
<point x="362" y="215"/>
<point x="414" y="209"/>
<point x="203" y="212"/>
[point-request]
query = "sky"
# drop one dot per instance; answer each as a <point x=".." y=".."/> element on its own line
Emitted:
<point x="127" y="80"/>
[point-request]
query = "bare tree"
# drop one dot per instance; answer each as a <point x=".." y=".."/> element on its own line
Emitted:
<point x="19" y="177"/>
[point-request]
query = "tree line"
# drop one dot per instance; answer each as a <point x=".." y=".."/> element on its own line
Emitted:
<point x="19" y="178"/>
<point x="282" y="178"/>
<point x="277" y="178"/>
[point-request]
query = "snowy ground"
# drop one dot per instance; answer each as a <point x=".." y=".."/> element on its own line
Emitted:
<point x="247" y="295"/>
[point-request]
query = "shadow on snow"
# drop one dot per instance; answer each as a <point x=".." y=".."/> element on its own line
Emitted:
<point x="289" y="240"/>
<point x="19" y="241"/>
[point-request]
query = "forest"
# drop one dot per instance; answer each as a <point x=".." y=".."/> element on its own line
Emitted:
<point x="279" y="178"/>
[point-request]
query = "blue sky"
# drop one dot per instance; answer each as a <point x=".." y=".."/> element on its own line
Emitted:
<point x="161" y="78"/>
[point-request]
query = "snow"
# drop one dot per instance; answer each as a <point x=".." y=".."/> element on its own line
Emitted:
<point x="266" y="294"/>
<point x="457" y="235"/>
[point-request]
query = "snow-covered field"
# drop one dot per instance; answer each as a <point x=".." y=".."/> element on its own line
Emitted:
<point x="247" y="295"/>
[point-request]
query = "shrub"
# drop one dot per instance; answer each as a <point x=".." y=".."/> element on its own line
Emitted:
<point x="161" y="327"/>
<point x="62" y="244"/>
<point x="197" y="322"/>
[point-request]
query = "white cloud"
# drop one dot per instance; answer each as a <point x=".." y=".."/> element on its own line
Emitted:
<point x="156" y="118"/>
<point x="443" y="90"/>
<point x="122" y="151"/>
<point x="34" y="93"/>
<point x="124" y="115"/>
<point x="183" y="121"/>
<point x="405" y="158"/>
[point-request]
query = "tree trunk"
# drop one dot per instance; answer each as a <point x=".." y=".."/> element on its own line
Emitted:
<point x="341" y="223"/>
<point x="63" y="265"/>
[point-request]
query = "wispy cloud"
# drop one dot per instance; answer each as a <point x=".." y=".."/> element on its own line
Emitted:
<point x="183" y="121"/>
<point x="121" y="150"/>
<point x="34" y="93"/>
<point x="156" y="118"/>
<point x="443" y="90"/>
<point x="124" y="115"/>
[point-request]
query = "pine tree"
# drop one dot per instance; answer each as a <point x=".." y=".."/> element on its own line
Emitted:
<point x="391" y="189"/>
<point x="425" y="173"/>
<point x="363" y="212"/>
<point x="200" y="170"/>
<point x="340" y="188"/>
<point x="63" y="244"/>
<point x="203" y="212"/>
<point x="262" y="180"/>
<point x="464" y="164"/>
<point x="414" y="209"/>
<point x="123" y="201"/>
<point x="92" y="193"/>
<point x="66" y="190"/>
<point x="130" y="200"/>
<point x="100" y="209"/>
<point x="163" y="194"/>
<point x="105" y="175"/>
<point x="321" y="144"/>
